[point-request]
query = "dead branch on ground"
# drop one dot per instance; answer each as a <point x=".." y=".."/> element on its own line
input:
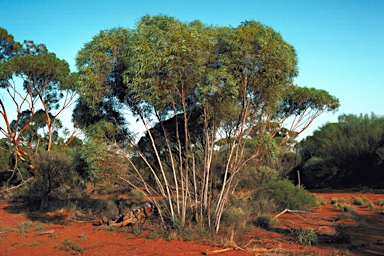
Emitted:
<point x="45" y="232"/>
<point x="16" y="187"/>
<point x="291" y="211"/>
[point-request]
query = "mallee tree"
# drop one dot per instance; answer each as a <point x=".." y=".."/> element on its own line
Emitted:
<point x="31" y="78"/>
<point x="239" y="81"/>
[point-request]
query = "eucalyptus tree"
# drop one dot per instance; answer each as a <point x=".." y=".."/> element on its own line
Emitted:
<point x="99" y="111"/>
<point x="100" y="84"/>
<point x="31" y="136"/>
<point x="31" y="78"/>
<point x="231" y="85"/>
<point x="8" y="46"/>
<point x="165" y="74"/>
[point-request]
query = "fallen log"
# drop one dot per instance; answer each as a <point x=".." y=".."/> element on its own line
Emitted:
<point x="18" y="186"/>
<point x="136" y="215"/>
<point x="291" y="211"/>
<point x="45" y="232"/>
<point x="217" y="251"/>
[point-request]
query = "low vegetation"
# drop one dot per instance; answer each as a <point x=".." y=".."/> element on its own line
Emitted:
<point x="68" y="245"/>
<point x="283" y="194"/>
<point x="305" y="236"/>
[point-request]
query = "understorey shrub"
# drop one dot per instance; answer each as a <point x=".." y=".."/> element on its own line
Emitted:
<point x="306" y="236"/>
<point x="253" y="178"/>
<point x="363" y="201"/>
<point x="358" y="200"/>
<point x="342" y="235"/>
<point x="320" y="201"/>
<point x="345" y="207"/>
<point x="380" y="202"/>
<point x="235" y="217"/>
<point x="264" y="221"/>
<point x="285" y="195"/>
<point x="54" y="169"/>
<point x="153" y="235"/>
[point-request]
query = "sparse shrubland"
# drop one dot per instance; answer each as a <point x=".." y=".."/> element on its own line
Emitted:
<point x="214" y="103"/>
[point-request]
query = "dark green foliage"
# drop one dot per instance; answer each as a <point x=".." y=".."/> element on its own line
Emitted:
<point x="342" y="235"/>
<point x="107" y="113"/>
<point x="95" y="162"/>
<point x="5" y="155"/>
<point x="285" y="195"/>
<point x="319" y="172"/>
<point x="306" y="236"/>
<point x="165" y="132"/>
<point x="345" y="154"/>
<point x="263" y="221"/>
<point x="54" y="171"/>
<point x="234" y="216"/>
<point x="8" y="46"/>
<point x="253" y="178"/>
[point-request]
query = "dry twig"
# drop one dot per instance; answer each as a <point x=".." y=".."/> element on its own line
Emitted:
<point x="217" y="251"/>
<point x="45" y="232"/>
<point x="18" y="186"/>
<point x="291" y="211"/>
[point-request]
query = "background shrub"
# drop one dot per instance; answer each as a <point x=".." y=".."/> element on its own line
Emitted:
<point x="284" y="194"/>
<point x="54" y="170"/>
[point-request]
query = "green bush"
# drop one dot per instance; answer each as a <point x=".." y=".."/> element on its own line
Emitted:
<point x="358" y="201"/>
<point x="306" y="236"/>
<point x="204" y="233"/>
<point x="286" y="195"/>
<point x="333" y="200"/>
<point x="345" y="148"/>
<point x="264" y="221"/>
<point x="342" y="235"/>
<point x="320" y="201"/>
<point x="371" y="206"/>
<point x="345" y="207"/>
<point x="380" y="202"/>
<point x="153" y="235"/>
<point x="253" y="178"/>
<point x="261" y="204"/>
<point x="54" y="170"/>
<point x="92" y="162"/>
<point x="234" y="215"/>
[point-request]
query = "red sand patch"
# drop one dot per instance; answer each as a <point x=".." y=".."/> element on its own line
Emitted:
<point x="21" y="234"/>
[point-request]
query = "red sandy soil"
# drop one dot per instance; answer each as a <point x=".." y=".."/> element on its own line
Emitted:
<point x="29" y="234"/>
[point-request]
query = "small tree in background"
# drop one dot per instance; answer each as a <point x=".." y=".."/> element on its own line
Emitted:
<point x="97" y="160"/>
<point x="55" y="171"/>
<point x="31" y="78"/>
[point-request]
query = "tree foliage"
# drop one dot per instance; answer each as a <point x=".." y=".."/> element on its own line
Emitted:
<point x="211" y="100"/>
<point x="37" y="87"/>
<point x="345" y="154"/>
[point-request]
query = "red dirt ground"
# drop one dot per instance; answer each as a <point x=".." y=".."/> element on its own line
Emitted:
<point x="22" y="234"/>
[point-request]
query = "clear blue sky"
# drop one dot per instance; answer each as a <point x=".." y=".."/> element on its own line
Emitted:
<point x="340" y="44"/>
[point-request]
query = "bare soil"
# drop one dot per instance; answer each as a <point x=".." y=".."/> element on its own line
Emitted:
<point x="339" y="233"/>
